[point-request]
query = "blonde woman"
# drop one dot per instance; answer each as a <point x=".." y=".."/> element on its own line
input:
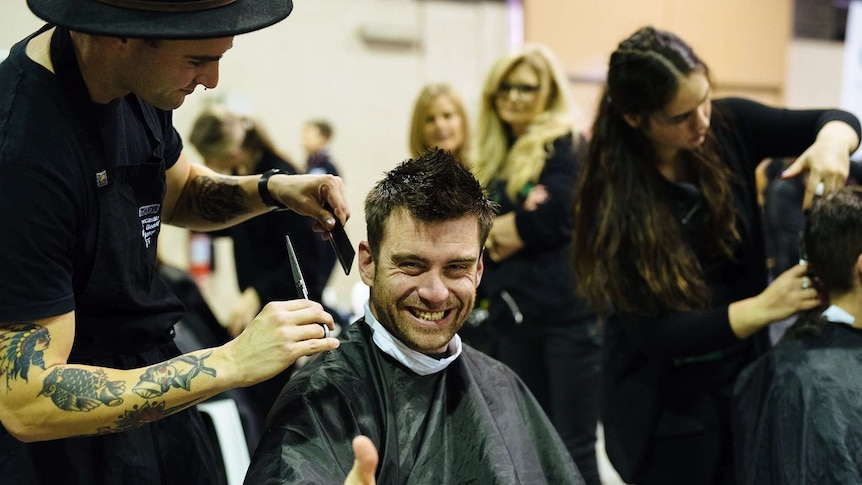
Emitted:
<point x="527" y="159"/>
<point x="439" y="120"/>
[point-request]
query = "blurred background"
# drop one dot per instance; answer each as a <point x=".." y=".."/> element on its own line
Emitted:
<point x="360" y="64"/>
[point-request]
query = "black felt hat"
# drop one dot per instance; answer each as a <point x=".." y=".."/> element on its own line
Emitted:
<point x="162" y="19"/>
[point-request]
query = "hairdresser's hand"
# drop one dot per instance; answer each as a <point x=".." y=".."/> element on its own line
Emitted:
<point x="280" y="334"/>
<point x="306" y="194"/>
<point x="503" y="240"/>
<point x="827" y="160"/>
<point x="790" y="293"/>
<point x="243" y="312"/>
<point x="364" y="464"/>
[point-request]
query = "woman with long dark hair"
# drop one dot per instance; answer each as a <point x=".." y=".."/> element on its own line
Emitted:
<point x="668" y="247"/>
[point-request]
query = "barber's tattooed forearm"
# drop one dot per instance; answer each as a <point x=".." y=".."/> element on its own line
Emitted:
<point x="218" y="200"/>
<point x="81" y="390"/>
<point x="177" y="372"/>
<point x="21" y="347"/>
<point x="147" y="413"/>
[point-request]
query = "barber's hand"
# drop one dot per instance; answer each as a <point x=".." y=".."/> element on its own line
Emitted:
<point x="306" y="194"/>
<point x="280" y="334"/>
<point x="364" y="464"/>
<point x="243" y="312"/>
<point x="827" y="160"/>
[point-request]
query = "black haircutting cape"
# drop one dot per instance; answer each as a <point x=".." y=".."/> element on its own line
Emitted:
<point x="798" y="411"/>
<point x="474" y="422"/>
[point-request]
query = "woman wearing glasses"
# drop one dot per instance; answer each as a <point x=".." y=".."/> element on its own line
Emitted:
<point x="527" y="159"/>
<point x="668" y="245"/>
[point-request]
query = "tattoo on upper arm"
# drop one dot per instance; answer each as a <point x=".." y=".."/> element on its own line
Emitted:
<point x="81" y="390"/>
<point x="217" y="200"/>
<point x="22" y="346"/>
<point x="177" y="372"/>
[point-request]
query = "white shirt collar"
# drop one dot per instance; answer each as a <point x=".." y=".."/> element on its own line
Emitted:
<point x="416" y="361"/>
<point x="837" y="314"/>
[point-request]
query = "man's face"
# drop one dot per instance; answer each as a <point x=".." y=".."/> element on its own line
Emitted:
<point x="423" y="285"/>
<point x="165" y="73"/>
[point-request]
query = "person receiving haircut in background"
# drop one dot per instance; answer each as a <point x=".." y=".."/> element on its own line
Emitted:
<point x="438" y="410"/>
<point x="669" y="247"/>
<point x="440" y="120"/>
<point x="527" y="159"/>
<point x="796" y="409"/>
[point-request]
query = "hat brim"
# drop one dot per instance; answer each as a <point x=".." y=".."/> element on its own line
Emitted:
<point x="94" y="17"/>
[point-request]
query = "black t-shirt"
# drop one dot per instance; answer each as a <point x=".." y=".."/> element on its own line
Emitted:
<point x="48" y="194"/>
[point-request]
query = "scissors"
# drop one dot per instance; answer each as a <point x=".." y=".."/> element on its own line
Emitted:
<point x="300" y="281"/>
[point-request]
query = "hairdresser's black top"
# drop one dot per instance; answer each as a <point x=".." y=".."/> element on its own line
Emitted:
<point x="661" y="373"/>
<point x="81" y="192"/>
<point x="796" y="411"/>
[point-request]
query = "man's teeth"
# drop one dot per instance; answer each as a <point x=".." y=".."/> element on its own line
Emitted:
<point x="429" y="315"/>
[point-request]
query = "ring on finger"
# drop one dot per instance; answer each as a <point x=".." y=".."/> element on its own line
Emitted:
<point x="326" y="332"/>
<point x="806" y="283"/>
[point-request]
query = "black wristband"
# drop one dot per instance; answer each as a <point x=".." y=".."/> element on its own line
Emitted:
<point x="265" y="196"/>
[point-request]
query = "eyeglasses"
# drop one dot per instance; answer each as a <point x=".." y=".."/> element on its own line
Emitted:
<point x="521" y="89"/>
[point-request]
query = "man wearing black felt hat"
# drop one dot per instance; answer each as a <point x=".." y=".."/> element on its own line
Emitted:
<point x="92" y="387"/>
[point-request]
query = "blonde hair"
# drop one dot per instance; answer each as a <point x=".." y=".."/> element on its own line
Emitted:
<point x="426" y="97"/>
<point x="524" y="161"/>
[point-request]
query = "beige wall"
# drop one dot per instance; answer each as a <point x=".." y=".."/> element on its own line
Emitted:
<point x="814" y="71"/>
<point x="744" y="42"/>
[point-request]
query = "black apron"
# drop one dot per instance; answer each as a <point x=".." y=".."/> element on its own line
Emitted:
<point x="124" y="319"/>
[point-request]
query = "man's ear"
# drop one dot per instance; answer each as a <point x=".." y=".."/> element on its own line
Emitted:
<point x="480" y="267"/>
<point x="858" y="269"/>
<point x="366" y="263"/>
<point x="633" y="120"/>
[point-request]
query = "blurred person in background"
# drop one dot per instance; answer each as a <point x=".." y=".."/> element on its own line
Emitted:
<point x="528" y="159"/>
<point x="440" y="121"/>
<point x="316" y="136"/>
<point x="238" y="145"/>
